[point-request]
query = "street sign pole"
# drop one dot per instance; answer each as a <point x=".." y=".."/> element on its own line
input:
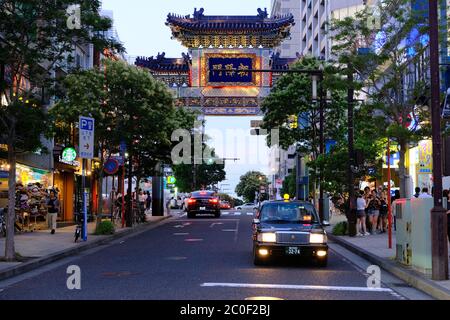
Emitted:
<point x="83" y="187"/>
<point x="86" y="146"/>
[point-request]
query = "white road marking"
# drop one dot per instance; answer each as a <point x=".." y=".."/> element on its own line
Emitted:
<point x="215" y="224"/>
<point x="237" y="213"/>
<point x="179" y="226"/>
<point x="181" y="234"/>
<point x="225" y="213"/>
<point x="193" y="240"/>
<point x="294" y="287"/>
<point x="229" y="230"/>
<point x="250" y="213"/>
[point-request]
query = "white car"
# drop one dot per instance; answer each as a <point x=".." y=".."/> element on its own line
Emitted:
<point x="247" y="207"/>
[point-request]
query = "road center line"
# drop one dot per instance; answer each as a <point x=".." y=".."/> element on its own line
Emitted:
<point x="237" y="213"/>
<point x="293" y="287"/>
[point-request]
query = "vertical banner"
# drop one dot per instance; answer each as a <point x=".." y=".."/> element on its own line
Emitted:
<point x="425" y="156"/>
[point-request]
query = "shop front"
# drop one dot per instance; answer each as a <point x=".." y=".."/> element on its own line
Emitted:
<point x="65" y="170"/>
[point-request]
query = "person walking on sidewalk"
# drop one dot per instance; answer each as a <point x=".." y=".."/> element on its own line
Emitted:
<point x="383" y="221"/>
<point x="53" y="210"/>
<point x="425" y="194"/>
<point x="417" y="192"/>
<point x="148" y="201"/>
<point x="361" y="215"/>
<point x="373" y="206"/>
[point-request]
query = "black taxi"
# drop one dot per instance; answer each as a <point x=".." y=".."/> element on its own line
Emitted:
<point x="289" y="229"/>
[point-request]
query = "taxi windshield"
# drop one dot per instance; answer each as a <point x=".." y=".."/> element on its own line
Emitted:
<point x="288" y="213"/>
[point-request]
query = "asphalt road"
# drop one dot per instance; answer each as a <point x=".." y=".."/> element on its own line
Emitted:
<point x="201" y="259"/>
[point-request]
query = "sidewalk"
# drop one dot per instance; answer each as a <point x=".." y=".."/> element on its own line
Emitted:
<point x="40" y="247"/>
<point x="374" y="248"/>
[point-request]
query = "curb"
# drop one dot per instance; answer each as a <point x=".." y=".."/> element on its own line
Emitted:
<point x="409" y="276"/>
<point x="39" y="262"/>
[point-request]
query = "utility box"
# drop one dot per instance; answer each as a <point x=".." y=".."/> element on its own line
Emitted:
<point x="401" y="209"/>
<point x="421" y="234"/>
<point x="414" y="233"/>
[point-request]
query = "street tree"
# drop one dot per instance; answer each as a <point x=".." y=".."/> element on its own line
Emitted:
<point x="290" y="108"/>
<point x="250" y="184"/>
<point x="383" y="58"/>
<point x="208" y="173"/>
<point x="35" y="38"/>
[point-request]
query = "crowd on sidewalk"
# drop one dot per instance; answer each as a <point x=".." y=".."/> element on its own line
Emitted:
<point x="372" y="209"/>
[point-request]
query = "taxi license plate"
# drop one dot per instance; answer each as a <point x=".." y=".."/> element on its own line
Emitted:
<point x="203" y="208"/>
<point x="293" y="251"/>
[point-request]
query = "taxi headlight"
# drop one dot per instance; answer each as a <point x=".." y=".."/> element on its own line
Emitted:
<point x="317" y="238"/>
<point x="267" y="237"/>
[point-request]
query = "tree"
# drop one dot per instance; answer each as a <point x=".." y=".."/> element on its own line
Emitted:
<point x="34" y="38"/>
<point x="128" y="105"/>
<point x="289" y="186"/>
<point x="207" y="174"/>
<point x="392" y="50"/>
<point x="249" y="185"/>
<point x="292" y="98"/>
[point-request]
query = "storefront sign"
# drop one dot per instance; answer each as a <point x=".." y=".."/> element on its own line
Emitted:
<point x="425" y="156"/>
<point x="69" y="154"/>
<point x="171" y="180"/>
<point x="73" y="163"/>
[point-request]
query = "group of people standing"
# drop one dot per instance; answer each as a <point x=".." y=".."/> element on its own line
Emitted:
<point x="372" y="211"/>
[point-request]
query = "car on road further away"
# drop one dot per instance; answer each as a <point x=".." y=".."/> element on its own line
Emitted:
<point x="225" y="205"/>
<point x="247" y="207"/>
<point x="203" y="202"/>
<point x="289" y="229"/>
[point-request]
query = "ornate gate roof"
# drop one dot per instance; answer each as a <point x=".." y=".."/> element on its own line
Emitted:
<point x="226" y="31"/>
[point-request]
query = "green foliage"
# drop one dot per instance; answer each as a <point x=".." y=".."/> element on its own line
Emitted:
<point x="105" y="227"/>
<point x="22" y="125"/>
<point x="340" y="229"/>
<point x="380" y="74"/>
<point x="206" y="174"/>
<point x="292" y="96"/>
<point x="249" y="184"/>
<point x="289" y="186"/>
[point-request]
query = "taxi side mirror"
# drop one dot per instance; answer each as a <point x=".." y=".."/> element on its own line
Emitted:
<point x="325" y="223"/>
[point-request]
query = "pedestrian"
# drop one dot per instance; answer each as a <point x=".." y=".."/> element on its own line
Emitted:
<point x="417" y="192"/>
<point x="53" y="210"/>
<point x="383" y="212"/>
<point x="373" y="206"/>
<point x="148" y="201"/>
<point x="425" y="194"/>
<point x="361" y="215"/>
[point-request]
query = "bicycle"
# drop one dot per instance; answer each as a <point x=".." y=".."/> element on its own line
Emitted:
<point x="79" y="227"/>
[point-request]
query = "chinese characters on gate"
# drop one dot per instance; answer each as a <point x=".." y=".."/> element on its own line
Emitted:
<point x="230" y="70"/>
